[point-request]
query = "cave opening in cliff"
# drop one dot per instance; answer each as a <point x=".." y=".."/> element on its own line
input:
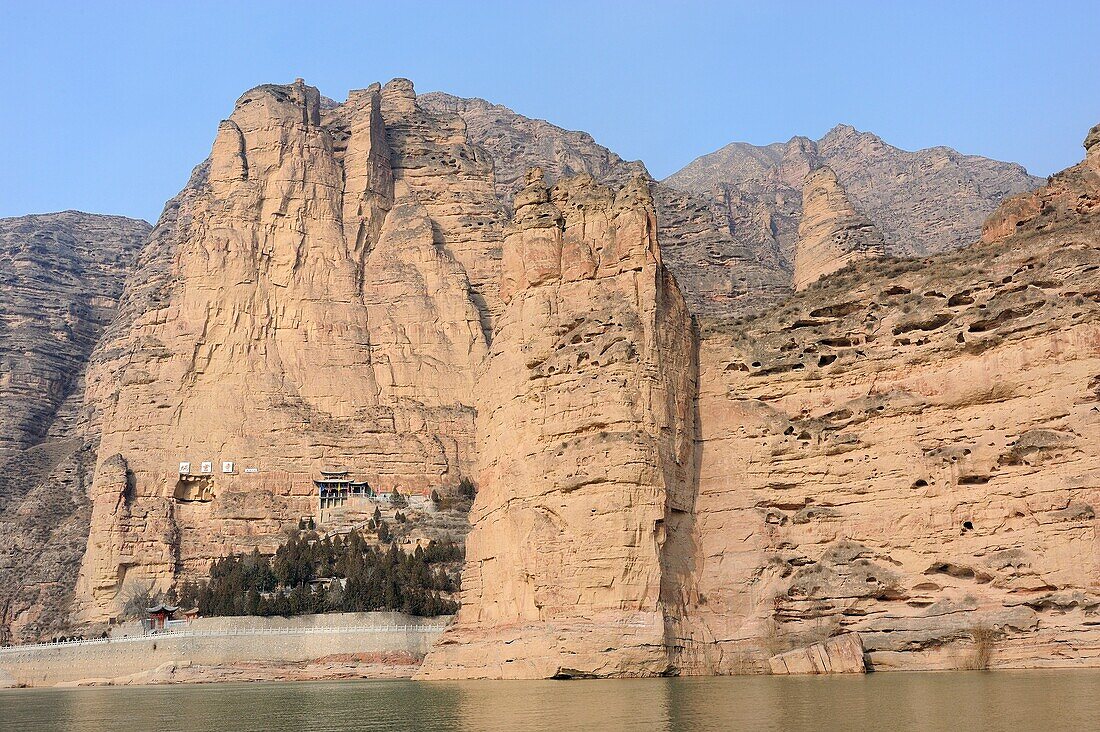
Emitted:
<point x="194" y="489"/>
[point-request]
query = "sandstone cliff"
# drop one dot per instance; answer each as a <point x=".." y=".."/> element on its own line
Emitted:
<point x="831" y="234"/>
<point x="60" y="280"/>
<point x="576" y="564"/>
<point x="1070" y="198"/>
<point x="319" y="295"/>
<point x="909" y="450"/>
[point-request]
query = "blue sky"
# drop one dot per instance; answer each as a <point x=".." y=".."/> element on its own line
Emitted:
<point x="110" y="104"/>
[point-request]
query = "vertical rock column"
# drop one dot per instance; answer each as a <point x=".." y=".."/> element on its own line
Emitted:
<point x="832" y="234"/>
<point x="258" y="353"/>
<point x="578" y="560"/>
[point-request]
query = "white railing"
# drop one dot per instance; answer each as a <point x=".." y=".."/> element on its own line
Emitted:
<point x="229" y="632"/>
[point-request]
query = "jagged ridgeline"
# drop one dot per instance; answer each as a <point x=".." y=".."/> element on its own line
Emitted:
<point x="680" y="468"/>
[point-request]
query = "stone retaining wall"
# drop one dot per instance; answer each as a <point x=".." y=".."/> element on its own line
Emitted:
<point x="224" y="641"/>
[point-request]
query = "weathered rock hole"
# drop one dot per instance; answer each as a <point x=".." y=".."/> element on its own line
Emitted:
<point x="959" y="299"/>
<point x="803" y="323"/>
<point x="836" y="311"/>
<point x="933" y="323"/>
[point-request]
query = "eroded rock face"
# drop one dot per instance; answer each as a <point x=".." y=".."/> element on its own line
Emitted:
<point x="60" y="279"/>
<point x="909" y="450"/>
<point x="1070" y="197"/>
<point x="577" y="562"/>
<point x="831" y="234"/>
<point x="840" y="655"/>
<point x="317" y="296"/>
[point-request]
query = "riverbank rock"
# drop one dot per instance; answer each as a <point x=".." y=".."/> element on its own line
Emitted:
<point x="840" y="655"/>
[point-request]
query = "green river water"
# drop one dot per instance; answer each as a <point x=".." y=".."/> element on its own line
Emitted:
<point x="975" y="702"/>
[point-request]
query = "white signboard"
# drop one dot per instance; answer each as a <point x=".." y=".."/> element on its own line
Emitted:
<point x="227" y="466"/>
<point x="206" y="467"/>
<point x="251" y="470"/>
<point x="185" y="468"/>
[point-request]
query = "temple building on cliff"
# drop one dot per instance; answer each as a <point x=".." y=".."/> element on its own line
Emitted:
<point x="336" y="486"/>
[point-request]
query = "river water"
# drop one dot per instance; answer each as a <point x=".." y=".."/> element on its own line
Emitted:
<point x="976" y="702"/>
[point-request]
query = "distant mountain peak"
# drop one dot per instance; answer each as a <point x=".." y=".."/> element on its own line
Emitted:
<point x="923" y="201"/>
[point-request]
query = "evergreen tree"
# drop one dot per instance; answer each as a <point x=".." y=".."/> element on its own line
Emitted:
<point x="376" y="579"/>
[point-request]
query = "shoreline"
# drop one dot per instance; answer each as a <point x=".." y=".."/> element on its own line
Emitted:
<point x="398" y="666"/>
<point x="384" y="670"/>
<point x="389" y="646"/>
<point x="338" y="667"/>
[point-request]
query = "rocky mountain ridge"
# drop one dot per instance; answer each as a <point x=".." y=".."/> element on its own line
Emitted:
<point x="729" y="221"/>
<point x="923" y="202"/>
<point x="720" y="276"/>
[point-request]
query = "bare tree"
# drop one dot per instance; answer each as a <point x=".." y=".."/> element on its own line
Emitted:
<point x="137" y="598"/>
